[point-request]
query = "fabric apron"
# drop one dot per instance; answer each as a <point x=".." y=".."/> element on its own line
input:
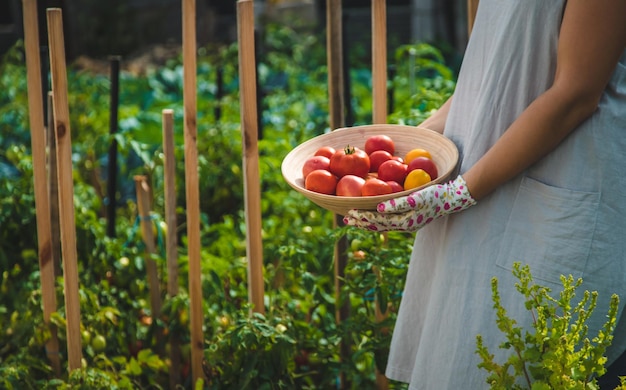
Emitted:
<point x="564" y="215"/>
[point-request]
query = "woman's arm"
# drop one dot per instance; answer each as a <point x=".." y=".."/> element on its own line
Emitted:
<point x="592" y="38"/>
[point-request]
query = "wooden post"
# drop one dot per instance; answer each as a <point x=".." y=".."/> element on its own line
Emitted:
<point x="472" y="7"/>
<point x="249" y="129"/>
<point x="171" y="253"/>
<point x="380" y="313"/>
<point x="379" y="61"/>
<point x="142" y="189"/>
<point x="337" y="119"/>
<point x="53" y="189"/>
<point x="66" y="185"/>
<point x="112" y="165"/>
<point x="192" y="191"/>
<point x="42" y="205"/>
<point x="334" y="61"/>
<point x="169" y="171"/>
<point x="379" y="99"/>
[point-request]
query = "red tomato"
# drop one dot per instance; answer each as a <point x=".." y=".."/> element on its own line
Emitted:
<point x="313" y="163"/>
<point x="425" y="164"/>
<point x="350" y="185"/>
<point x="392" y="170"/>
<point x="379" y="142"/>
<point x="398" y="158"/>
<point x="374" y="186"/>
<point x="350" y="161"/>
<point x="378" y="157"/>
<point x="395" y="186"/>
<point x="321" y="181"/>
<point x="326" y="151"/>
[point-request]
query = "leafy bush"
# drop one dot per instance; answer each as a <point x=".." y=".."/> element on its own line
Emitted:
<point x="559" y="354"/>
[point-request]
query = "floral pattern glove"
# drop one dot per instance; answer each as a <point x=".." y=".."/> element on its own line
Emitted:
<point x="412" y="212"/>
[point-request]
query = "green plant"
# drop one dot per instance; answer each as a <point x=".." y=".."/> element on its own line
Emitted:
<point x="298" y="236"/>
<point x="269" y="347"/>
<point x="422" y="83"/>
<point x="559" y="353"/>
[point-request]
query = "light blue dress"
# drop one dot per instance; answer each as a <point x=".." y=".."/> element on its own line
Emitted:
<point x="564" y="215"/>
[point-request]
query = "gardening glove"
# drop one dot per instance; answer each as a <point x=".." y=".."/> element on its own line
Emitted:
<point x="412" y="212"/>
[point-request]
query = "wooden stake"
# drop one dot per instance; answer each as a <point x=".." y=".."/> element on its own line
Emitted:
<point x="249" y="128"/>
<point x="191" y="186"/>
<point x="114" y="100"/>
<point x="337" y="119"/>
<point x="334" y="59"/>
<point x="379" y="61"/>
<point x="336" y="96"/>
<point x="42" y="205"/>
<point x="170" y="201"/>
<point x="379" y="115"/>
<point x="53" y="201"/>
<point x="381" y="314"/>
<point x="66" y="185"/>
<point x="53" y="189"/>
<point x="142" y="188"/>
<point x="171" y="252"/>
<point x="472" y="7"/>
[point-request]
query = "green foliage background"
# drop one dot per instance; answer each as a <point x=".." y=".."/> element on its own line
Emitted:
<point x="298" y="343"/>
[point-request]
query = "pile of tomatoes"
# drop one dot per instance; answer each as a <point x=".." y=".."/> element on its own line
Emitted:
<point x="373" y="170"/>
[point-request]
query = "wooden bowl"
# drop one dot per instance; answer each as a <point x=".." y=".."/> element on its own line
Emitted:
<point x="443" y="151"/>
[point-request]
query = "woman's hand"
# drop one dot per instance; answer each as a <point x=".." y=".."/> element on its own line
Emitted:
<point x="412" y="212"/>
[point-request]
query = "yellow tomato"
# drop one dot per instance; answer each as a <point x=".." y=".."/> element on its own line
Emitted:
<point x="415" y="153"/>
<point x="416" y="178"/>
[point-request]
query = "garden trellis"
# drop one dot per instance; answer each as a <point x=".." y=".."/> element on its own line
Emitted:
<point x="249" y="128"/>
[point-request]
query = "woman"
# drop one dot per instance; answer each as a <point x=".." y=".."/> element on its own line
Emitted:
<point x="539" y="116"/>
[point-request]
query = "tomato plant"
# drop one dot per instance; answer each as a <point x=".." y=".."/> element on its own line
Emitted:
<point x="98" y="343"/>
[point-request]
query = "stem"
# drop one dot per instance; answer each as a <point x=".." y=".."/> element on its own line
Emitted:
<point x="528" y="381"/>
<point x="537" y="303"/>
